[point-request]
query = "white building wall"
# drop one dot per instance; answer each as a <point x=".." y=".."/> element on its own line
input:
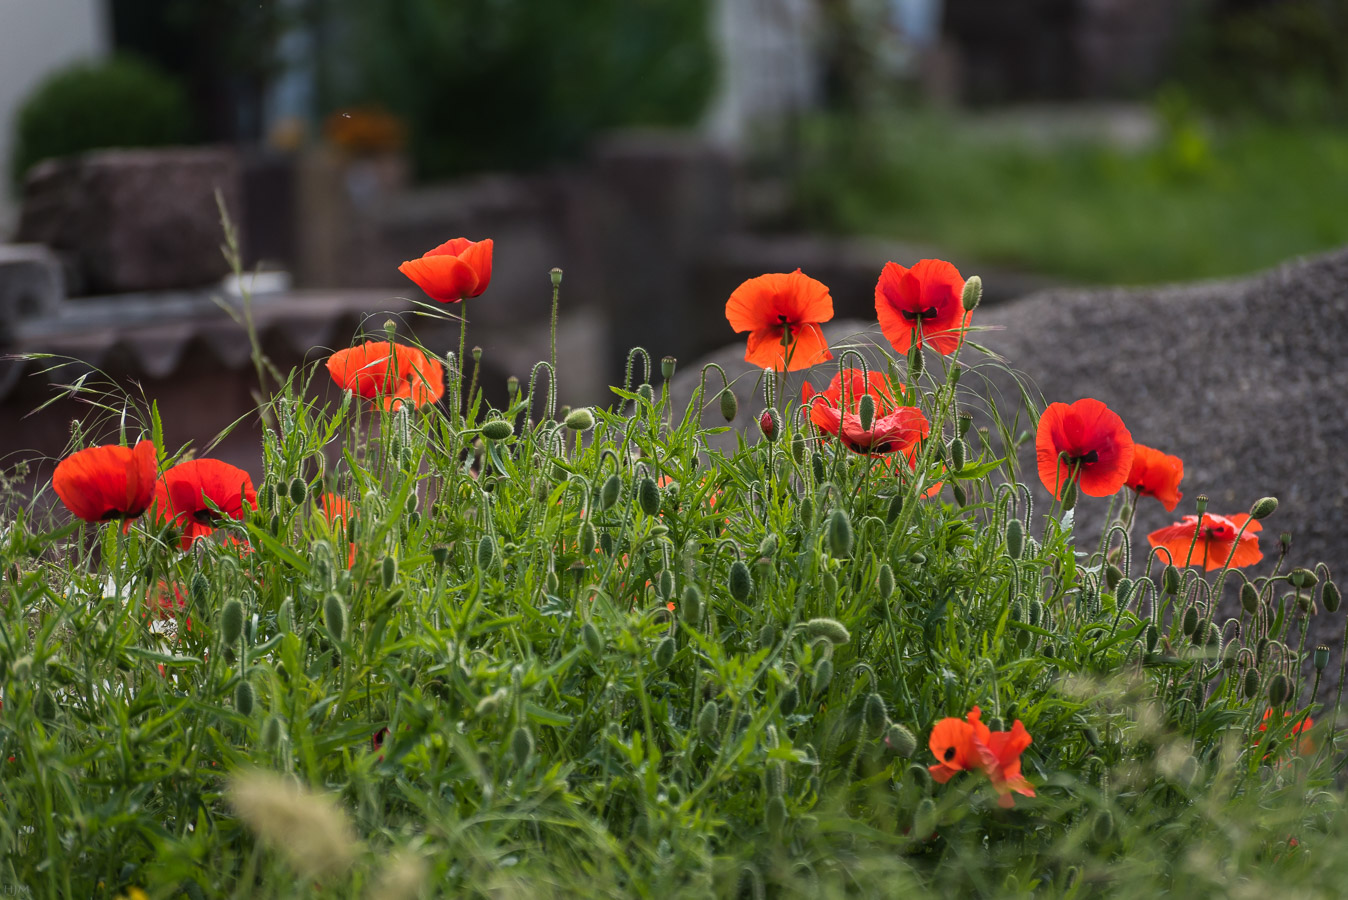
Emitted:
<point x="37" y="37"/>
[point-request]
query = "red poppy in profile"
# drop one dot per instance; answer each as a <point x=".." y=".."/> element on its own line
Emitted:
<point x="455" y="270"/>
<point x="924" y="304"/>
<point x="1156" y="474"/>
<point x="389" y="374"/>
<point x="1217" y="545"/>
<point x="962" y="746"/>
<point x="847" y="387"/>
<point x="100" y="484"/>
<point x="1087" y="439"/>
<point x="199" y="494"/>
<point x="782" y="308"/>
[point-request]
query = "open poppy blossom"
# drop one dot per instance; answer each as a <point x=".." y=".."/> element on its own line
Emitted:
<point x="782" y="309"/>
<point x="455" y="270"/>
<point x="968" y="745"/>
<point x="922" y="305"/>
<point x="1216" y="545"/>
<point x="1086" y="440"/>
<point x="1156" y="474"/>
<point x="199" y="494"/>
<point x="388" y="373"/>
<point x="844" y="392"/>
<point x="100" y="484"/>
<point x="899" y="430"/>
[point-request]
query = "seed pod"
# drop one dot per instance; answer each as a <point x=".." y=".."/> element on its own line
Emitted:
<point x="1302" y="578"/>
<point x="692" y="605"/>
<point x="1251" y="686"/>
<point x="334" y="617"/>
<point x="231" y="622"/>
<point x="875" y="713"/>
<point x="770" y="423"/>
<point x="956" y="454"/>
<point x="823" y="674"/>
<point x="1264" y="507"/>
<point x="895" y="507"/>
<point x="648" y="496"/>
<point x="1015" y="539"/>
<point x="900" y="741"/>
<point x="389" y="571"/>
<point x="708" y="720"/>
<point x="806" y="511"/>
<point x="730" y="405"/>
<point x="798" y="448"/>
<point x="1277" y="689"/>
<point x="580" y="419"/>
<point x="830" y="630"/>
<point x="589" y="635"/>
<point x="1189" y="624"/>
<point x="1320" y="659"/>
<point x="789" y="700"/>
<point x="667" y="366"/>
<point x="587" y="539"/>
<point x="767" y="635"/>
<point x="1330" y="596"/>
<point x="839" y="533"/>
<point x="664" y="653"/>
<point x="486" y="552"/>
<point x="298" y="490"/>
<point x="884" y="582"/>
<point x="272" y="730"/>
<point x="243" y="698"/>
<point x="497" y="429"/>
<point x="973" y="293"/>
<point x="522" y="745"/>
<point x="774" y="816"/>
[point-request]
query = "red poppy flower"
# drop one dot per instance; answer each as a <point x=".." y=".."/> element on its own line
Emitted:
<point x="924" y="304"/>
<point x="970" y="746"/>
<point x="951" y="742"/>
<point x="1216" y="545"/>
<point x="164" y="602"/>
<point x="897" y="431"/>
<point x="389" y="374"/>
<point x="854" y="384"/>
<point x="1306" y="745"/>
<point x="1086" y="438"/>
<point x="457" y="269"/>
<point x="198" y="494"/>
<point x="777" y="308"/>
<point x="1156" y="474"/>
<point x="104" y="483"/>
<point x="338" y="511"/>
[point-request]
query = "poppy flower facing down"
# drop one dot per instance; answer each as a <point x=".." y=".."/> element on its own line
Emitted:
<point x="923" y="305"/>
<point x="455" y="270"/>
<point x="969" y="745"/>
<point x="199" y="494"/>
<point x="389" y="374"/>
<point x="1156" y="474"/>
<point x="782" y="308"/>
<point x="1086" y="439"/>
<point x="100" y="484"/>
<point x="1216" y="545"/>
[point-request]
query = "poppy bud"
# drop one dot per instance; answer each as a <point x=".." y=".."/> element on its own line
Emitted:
<point x="1036" y="613"/>
<point x="285" y="615"/>
<point x="956" y="454"/>
<point x="497" y="429"/>
<point x="606" y="542"/>
<point x="692" y="605"/>
<point x="1123" y="589"/>
<point x="953" y="374"/>
<point x="789" y="700"/>
<point x="708" y="720"/>
<point x="798" y="448"/>
<point x="915" y="363"/>
<point x="973" y="293"/>
<point x="1102" y="828"/>
<point x="1302" y="578"/>
<point x="817" y="466"/>
<point x="648" y="496"/>
<point x="334" y="617"/>
<point x="231" y="622"/>
<point x="823" y="674"/>
<point x="589" y="635"/>
<point x="774" y="776"/>
<point x="1264" y="507"/>
<point x="664" y="585"/>
<point x="512" y="386"/>
<point x="900" y="741"/>
<point x="664" y="653"/>
<point x="740" y="582"/>
<point x="440" y="555"/>
<point x="486" y="552"/>
<point x="667" y="366"/>
<point x="996" y="724"/>
<point x="1153" y="635"/>
<point x="730" y="405"/>
<point x="924" y="819"/>
<point x="806" y="511"/>
<point x="566" y="408"/>
<point x="587" y="539"/>
<point x="1201" y="504"/>
<point x="580" y="419"/>
<point x="830" y="630"/>
<point x="1251" y="685"/>
<point x="1277" y="689"/>
<point x="866" y="411"/>
<point x="1230" y="654"/>
<point x="768" y="546"/>
<point x="298" y="490"/>
<point x="389" y="571"/>
<point x="875" y="713"/>
<point x="522" y="745"/>
<point x="1261" y="650"/>
<point x="1069" y="495"/>
<point x="243" y="698"/>
<point x="885" y="581"/>
<point x="957" y="490"/>
<point x="1189" y="624"/>
<point x="839" y="533"/>
<point x="1113" y="575"/>
<point x="1015" y="539"/>
<point x="770" y="423"/>
<point x="918" y="559"/>
<point x="774" y="816"/>
<point x="895" y="507"/>
<point x="828" y="584"/>
<point x="767" y="635"/>
<point x="1330" y="596"/>
<point x="608" y="493"/>
<point x="271" y="732"/>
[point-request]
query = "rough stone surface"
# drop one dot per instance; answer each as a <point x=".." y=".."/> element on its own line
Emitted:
<point x="133" y="220"/>
<point x="31" y="285"/>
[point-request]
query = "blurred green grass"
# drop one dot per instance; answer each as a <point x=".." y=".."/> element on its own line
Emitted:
<point x="1193" y="204"/>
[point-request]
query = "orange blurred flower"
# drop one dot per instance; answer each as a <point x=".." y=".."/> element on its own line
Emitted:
<point x="99" y="484"/>
<point x="923" y="304"/>
<point x="1156" y="474"/>
<point x="457" y="269"/>
<point x="969" y="745"/>
<point x="1216" y="545"/>
<point x="388" y="373"/>
<point x="339" y="511"/>
<point x="1305" y="746"/>
<point x="1086" y="439"/>
<point x="782" y="308"/>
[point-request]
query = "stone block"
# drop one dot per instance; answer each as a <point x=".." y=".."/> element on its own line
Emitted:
<point x="31" y="284"/>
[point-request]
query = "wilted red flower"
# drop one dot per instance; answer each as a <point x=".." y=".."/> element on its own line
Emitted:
<point x="1216" y="545"/>
<point x="924" y="304"/>
<point x="777" y="308"/>
<point x="854" y="384"/>
<point x="1156" y="474"/>
<point x="198" y="494"/>
<point x="1087" y="439"/>
<point x="969" y="745"/>
<point x="457" y="269"/>
<point x="388" y="373"/>
<point x="99" y="484"/>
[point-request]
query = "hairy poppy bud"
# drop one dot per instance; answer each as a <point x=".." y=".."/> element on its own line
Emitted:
<point x="957" y="490"/>
<point x="817" y="467"/>
<point x="884" y="581"/>
<point x="609" y="491"/>
<point x="497" y="429"/>
<point x="664" y="653"/>
<point x="1251" y="685"/>
<point x="566" y="407"/>
<point x="798" y="448"/>
<point x="708" y="720"/>
<point x="866" y="411"/>
<point x="334" y="617"/>
<point x="1123" y="589"/>
<point x="875" y="713"/>
<point x="1277" y="689"/>
<point x="594" y="643"/>
<point x="828" y="584"/>
<point x="1102" y="828"/>
<point x="774" y="815"/>
<point x="664" y="584"/>
<point x="789" y="700"/>
<point x="1015" y="539"/>
<point x="770" y="423"/>
<point x="692" y="605"/>
<point x="648" y="496"/>
<point x="1261" y="650"/>
<point x="388" y="571"/>
<point x="1303" y="578"/>
<point x="1330" y="596"/>
<point x="839" y="533"/>
<point x="1230" y="654"/>
<point x="1036" y="613"/>
<point x="486" y="552"/>
<point x="973" y="293"/>
<point x="1153" y="636"/>
<point x="895" y="507"/>
<point x="768" y="546"/>
<point x="243" y="698"/>
<point x="1320" y="659"/>
<point x="667" y="366"/>
<point x="1249" y="598"/>
<point x="830" y="630"/>
<point x="767" y="635"/>
<point x="953" y="374"/>
<point x="272" y="731"/>
<point x="956" y="454"/>
<point x="231" y="621"/>
<point x="730" y="405"/>
<point x="1170" y="579"/>
<point x="556" y="275"/>
<point x="522" y="745"/>
<point x="806" y="512"/>
<point x="580" y="419"/>
<point x="900" y="741"/>
<point x="1264" y="507"/>
<point x="924" y="819"/>
<point x="298" y="490"/>
<point x="823" y="674"/>
<point x="1113" y="575"/>
<point x="740" y="582"/>
<point x="1189" y="624"/>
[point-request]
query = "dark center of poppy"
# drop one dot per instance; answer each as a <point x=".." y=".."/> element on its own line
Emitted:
<point x="928" y="313"/>
<point x="115" y="513"/>
<point x="949" y="754"/>
<point x="1084" y="460"/>
<point x="203" y="517"/>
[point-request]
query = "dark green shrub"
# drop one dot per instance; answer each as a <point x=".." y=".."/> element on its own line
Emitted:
<point x="89" y="106"/>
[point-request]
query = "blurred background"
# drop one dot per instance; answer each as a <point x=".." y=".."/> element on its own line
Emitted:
<point x="660" y="151"/>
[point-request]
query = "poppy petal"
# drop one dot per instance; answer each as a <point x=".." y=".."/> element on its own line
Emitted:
<point x="447" y="279"/>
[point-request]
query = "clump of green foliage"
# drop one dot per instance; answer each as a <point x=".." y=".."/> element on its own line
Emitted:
<point x="121" y="102"/>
